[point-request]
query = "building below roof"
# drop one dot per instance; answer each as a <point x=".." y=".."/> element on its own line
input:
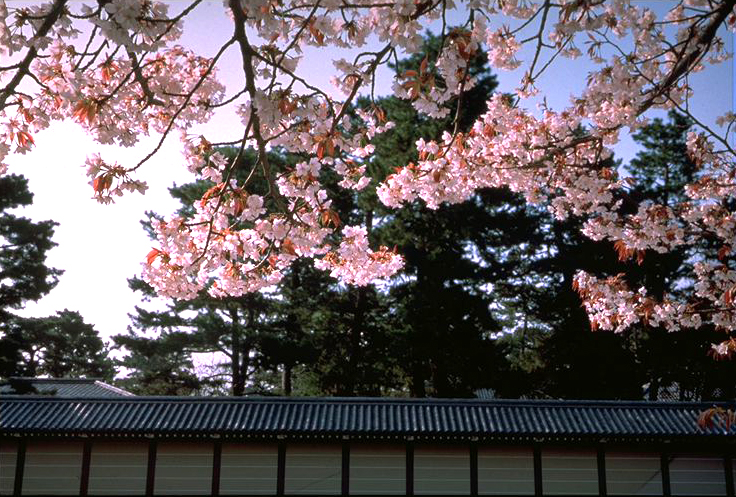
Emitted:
<point x="60" y="387"/>
<point x="359" y="446"/>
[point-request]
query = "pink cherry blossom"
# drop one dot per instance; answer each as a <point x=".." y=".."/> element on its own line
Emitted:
<point x="127" y="78"/>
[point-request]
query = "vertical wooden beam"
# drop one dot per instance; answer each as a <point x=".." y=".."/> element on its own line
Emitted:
<point x="346" y="467"/>
<point x="664" y="463"/>
<point x="20" y="463"/>
<point x="410" y="467"/>
<point x="601" y="459"/>
<point x="538" y="486"/>
<point x="86" y="458"/>
<point x="728" y="469"/>
<point x="151" y="473"/>
<point x="216" y="463"/>
<point x="473" y="468"/>
<point x="281" y="471"/>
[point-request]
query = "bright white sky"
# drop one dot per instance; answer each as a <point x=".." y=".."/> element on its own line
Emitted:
<point x="100" y="246"/>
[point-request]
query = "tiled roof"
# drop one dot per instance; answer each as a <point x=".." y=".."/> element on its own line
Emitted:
<point x="357" y="417"/>
<point x="62" y="387"/>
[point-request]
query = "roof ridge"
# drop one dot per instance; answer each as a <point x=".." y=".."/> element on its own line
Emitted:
<point x="369" y="417"/>
<point x="36" y="379"/>
<point x="555" y="403"/>
<point x="113" y="388"/>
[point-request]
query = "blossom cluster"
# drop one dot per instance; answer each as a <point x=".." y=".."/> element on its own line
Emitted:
<point x="127" y="77"/>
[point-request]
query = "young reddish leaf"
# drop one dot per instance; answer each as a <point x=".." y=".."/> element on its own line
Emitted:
<point x="330" y="217"/>
<point x="624" y="253"/>
<point x="101" y="183"/>
<point x="316" y="33"/>
<point x="723" y="252"/>
<point x="640" y="257"/>
<point x="423" y="65"/>
<point x="152" y="255"/>
<point x="288" y="246"/>
<point x="215" y="190"/>
<point x="85" y="111"/>
<point x="728" y="296"/>
<point x="24" y="138"/>
<point x="379" y="113"/>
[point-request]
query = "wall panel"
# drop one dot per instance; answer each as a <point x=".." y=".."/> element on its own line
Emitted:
<point x="248" y="468"/>
<point x="505" y="471"/>
<point x="118" y="468"/>
<point x="441" y="469"/>
<point x="184" y="468"/>
<point x="633" y="473"/>
<point x="52" y="468"/>
<point x="377" y="469"/>
<point x="313" y="469"/>
<point x="8" y="456"/>
<point x="692" y="474"/>
<point x="569" y="472"/>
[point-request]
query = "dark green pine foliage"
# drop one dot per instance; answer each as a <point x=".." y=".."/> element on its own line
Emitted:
<point x="578" y="362"/>
<point x="676" y="361"/>
<point x="351" y="331"/>
<point x="58" y="346"/>
<point x="581" y="363"/>
<point x="61" y="346"/>
<point x="442" y="303"/>
<point x="159" y="365"/>
<point x="24" y="275"/>
<point x="228" y="330"/>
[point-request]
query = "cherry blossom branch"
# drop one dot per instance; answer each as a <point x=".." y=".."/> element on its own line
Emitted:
<point x="701" y="46"/>
<point x="184" y="104"/>
<point x="56" y="11"/>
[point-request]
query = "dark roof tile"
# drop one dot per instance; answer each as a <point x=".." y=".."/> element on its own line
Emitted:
<point x="363" y="417"/>
<point x="62" y="387"/>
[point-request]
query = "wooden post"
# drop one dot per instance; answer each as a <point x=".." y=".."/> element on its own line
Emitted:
<point x="728" y="468"/>
<point x="20" y="462"/>
<point x="474" y="468"/>
<point x="664" y="462"/>
<point x="281" y="471"/>
<point x="86" y="458"/>
<point x="601" y="459"/>
<point x="538" y="486"/>
<point x="216" y="463"/>
<point x="151" y="473"/>
<point x="346" y="467"/>
<point x="410" y="467"/>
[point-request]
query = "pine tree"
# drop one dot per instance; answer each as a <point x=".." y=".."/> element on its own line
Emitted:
<point x="232" y="332"/>
<point x="159" y="366"/>
<point x="60" y="346"/>
<point x="24" y="275"/>
<point x="678" y="360"/>
<point x="442" y="303"/>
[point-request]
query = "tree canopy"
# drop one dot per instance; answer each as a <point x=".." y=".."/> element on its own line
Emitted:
<point x="488" y="281"/>
<point x="58" y="346"/>
<point x="116" y="70"/>
<point x="24" y="275"/>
